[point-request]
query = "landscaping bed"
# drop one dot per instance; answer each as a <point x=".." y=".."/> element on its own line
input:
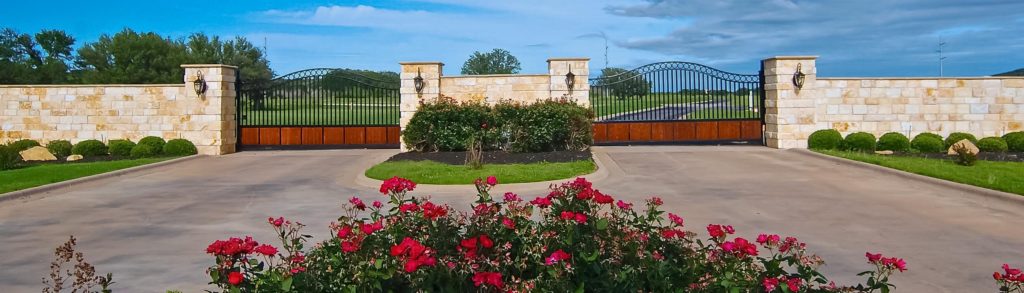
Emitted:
<point x="431" y="172"/>
<point x="495" y="157"/>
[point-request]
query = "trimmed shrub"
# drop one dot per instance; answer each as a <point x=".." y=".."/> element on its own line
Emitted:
<point x="121" y="147"/>
<point x="59" y="148"/>
<point x="154" y="142"/>
<point x="180" y="147"/>
<point x="992" y="144"/>
<point x="24" y="144"/>
<point x="958" y="136"/>
<point x="825" y="139"/>
<point x="1014" y="141"/>
<point x="928" y="143"/>
<point x="143" y="151"/>
<point x="894" y="141"/>
<point x="860" y="142"/>
<point x="88" y="148"/>
<point x="551" y="125"/>
<point x="9" y="157"/>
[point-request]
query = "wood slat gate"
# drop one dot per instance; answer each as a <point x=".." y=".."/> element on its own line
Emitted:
<point x="319" y="108"/>
<point x="677" y="103"/>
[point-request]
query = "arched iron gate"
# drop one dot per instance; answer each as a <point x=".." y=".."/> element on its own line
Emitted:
<point x="319" y="108"/>
<point x="676" y="102"/>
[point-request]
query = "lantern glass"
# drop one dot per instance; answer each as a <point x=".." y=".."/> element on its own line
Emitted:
<point x="418" y="82"/>
<point x="199" y="84"/>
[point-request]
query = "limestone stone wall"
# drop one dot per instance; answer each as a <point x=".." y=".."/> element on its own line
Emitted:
<point x="983" y="106"/>
<point x="491" y="89"/>
<point x="106" y="112"/>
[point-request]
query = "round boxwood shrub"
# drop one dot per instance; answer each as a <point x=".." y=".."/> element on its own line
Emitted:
<point x="860" y="142"/>
<point x="928" y="143"/>
<point x="24" y="144"/>
<point x="992" y="144"/>
<point x="88" y="148"/>
<point x="894" y="141"/>
<point x="179" y="147"/>
<point x="1014" y="141"/>
<point x="59" y="148"/>
<point x="121" y="147"/>
<point x="154" y="142"/>
<point x="825" y="139"/>
<point x="143" y="151"/>
<point x="958" y="136"/>
<point x="9" y="157"/>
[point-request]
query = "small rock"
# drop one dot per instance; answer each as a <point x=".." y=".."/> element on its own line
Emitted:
<point x="73" y="158"/>
<point x="884" y="152"/>
<point x="37" y="153"/>
<point x="971" y="148"/>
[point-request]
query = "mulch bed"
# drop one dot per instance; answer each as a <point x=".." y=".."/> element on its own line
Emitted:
<point x="459" y="158"/>
<point x="986" y="156"/>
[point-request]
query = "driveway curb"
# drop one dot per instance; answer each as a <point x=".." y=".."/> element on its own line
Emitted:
<point x="990" y="193"/>
<point x="24" y="193"/>
<point x="601" y="159"/>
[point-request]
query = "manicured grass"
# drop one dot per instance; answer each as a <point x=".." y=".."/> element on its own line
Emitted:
<point x="1002" y="176"/>
<point x="32" y="176"/>
<point x="429" y="172"/>
<point x="722" y="114"/>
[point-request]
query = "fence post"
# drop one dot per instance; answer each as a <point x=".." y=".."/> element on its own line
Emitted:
<point x="430" y="73"/>
<point x="789" y="116"/>
<point x="218" y="108"/>
<point x="580" y="68"/>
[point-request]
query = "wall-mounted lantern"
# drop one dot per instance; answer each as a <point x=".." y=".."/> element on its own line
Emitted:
<point x="199" y="84"/>
<point x="570" y="80"/>
<point x="418" y="82"/>
<point x="799" y="76"/>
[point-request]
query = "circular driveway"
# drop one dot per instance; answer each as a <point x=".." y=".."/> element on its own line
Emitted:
<point x="150" y="228"/>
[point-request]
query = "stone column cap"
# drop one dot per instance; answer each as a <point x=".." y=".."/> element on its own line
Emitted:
<point x="569" y="59"/>
<point x="792" y="58"/>
<point x="420" y="63"/>
<point x="208" y="66"/>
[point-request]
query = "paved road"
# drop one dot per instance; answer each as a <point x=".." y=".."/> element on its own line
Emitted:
<point x="150" y="228"/>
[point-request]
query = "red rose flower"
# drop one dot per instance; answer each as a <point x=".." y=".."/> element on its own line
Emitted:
<point x="266" y="250"/>
<point x="542" y="202"/>
<point x="488" y="278"/>
<point x="349" y="246"/>
<point x="357" y="203"/>
<point x="556" y="257"/>
<point x="235" y="278"/>
<point x="508" y="223"/>
<point x="492" y="181"/>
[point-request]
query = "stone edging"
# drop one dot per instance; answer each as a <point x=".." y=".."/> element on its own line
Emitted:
<point x="602" y="161"/>
<point x="990" y="193"/>
<point x="24" y="193"/>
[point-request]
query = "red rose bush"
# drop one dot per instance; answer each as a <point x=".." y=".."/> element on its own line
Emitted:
<point x="573" y="238"/>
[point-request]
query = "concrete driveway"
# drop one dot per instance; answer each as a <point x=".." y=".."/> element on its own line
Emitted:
<point x="151" y="228"/>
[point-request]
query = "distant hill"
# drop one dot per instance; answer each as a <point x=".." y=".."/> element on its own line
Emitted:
<point x="1018" y="72"/>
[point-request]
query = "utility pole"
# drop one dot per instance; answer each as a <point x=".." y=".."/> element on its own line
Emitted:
<point x="605" y="37"/>
<point x="941" y="58"/>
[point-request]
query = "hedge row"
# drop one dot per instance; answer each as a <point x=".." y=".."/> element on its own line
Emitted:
<point x="550" y="125"/>
<point x="150" y="146"/>
<point x="830" y="139"/>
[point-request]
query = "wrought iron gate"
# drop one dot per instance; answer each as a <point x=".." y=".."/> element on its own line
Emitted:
<point x="319" y="108"/>
<point x="676" y="102"/>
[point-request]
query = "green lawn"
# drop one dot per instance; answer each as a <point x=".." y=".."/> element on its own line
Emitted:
<point x="325" y="111"/>
<point x="604" y="105"/>
<point x="722" y="114"/>
<point x="1002" y="176"/>
<point x="428" y="172"/>
<point x="32" y="176"/>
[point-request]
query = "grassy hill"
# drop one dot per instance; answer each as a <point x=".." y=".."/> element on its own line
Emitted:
<point x="1018" y="72"/>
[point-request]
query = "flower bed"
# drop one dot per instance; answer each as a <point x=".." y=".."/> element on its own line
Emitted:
<point x="574" y="238"/>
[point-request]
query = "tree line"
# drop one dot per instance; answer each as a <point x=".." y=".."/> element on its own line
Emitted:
<point x="127" y="57"/>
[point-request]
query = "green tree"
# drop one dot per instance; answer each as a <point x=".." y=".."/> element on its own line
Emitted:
<point x="623" y="83"/>
<point x="131" y="57"/>
<point x="497" y="61"/>
<point x="22" y="61"/>
<point x="252" y="63"/>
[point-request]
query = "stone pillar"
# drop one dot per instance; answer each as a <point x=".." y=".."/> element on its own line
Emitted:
<point x="212" y="127"/>
<point x="789" y="110"/>
<point x="410" y="99"/>
<point x="580" y="68"/>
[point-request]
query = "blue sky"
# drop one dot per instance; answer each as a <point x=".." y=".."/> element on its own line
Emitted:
<point x="852" y="37"/>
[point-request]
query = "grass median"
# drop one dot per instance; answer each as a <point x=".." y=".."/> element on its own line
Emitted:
<point x="429" y="172"/>
<point x="38" y="175"/>
<point x="1002" y="176"/>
